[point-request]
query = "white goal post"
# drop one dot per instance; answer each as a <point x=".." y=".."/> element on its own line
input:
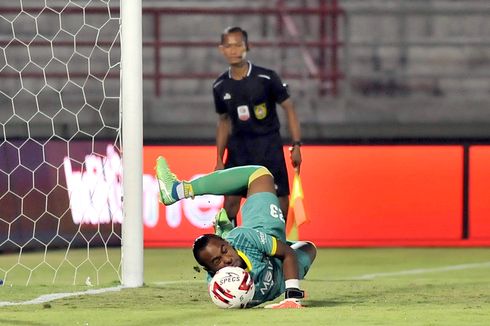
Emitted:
<point x="132" y="126"/>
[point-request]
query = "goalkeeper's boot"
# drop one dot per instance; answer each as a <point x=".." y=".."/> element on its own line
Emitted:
<point x="171" y="188"/>
<point x="222" y="224"/>
<point x="292" y="300"/>
<point x="285" y="304"/>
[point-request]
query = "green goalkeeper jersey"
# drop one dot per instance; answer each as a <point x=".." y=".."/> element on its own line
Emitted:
<point x="256" y="243"/>
<point x="256" y="248"/>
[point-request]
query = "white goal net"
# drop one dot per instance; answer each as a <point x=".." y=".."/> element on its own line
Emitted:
<point x="60" y="159"/>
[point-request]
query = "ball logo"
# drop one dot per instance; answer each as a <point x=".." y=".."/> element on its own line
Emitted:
<point x="229" y="279"/>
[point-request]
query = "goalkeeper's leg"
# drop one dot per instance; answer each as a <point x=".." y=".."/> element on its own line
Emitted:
<point x="223" y="182"/>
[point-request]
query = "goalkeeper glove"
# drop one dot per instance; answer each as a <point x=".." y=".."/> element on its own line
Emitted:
<point x="294" y="293"/>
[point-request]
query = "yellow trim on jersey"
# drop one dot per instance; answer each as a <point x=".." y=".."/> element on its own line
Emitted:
<point x="258" y="173"/>
<point x="274" y="246"/>
<point x="246" y="260"/>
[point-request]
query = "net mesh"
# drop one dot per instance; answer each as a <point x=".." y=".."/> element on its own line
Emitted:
<point x="60" y="164"/>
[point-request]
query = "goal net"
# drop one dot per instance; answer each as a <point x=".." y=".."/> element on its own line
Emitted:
<point x="61" y="189"/>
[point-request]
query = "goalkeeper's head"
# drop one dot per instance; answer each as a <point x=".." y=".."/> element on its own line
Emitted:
<point x="213" y="253"/>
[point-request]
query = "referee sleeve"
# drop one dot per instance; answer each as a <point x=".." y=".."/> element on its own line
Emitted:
<point x="279" y="89"/>
<point x="219" y="104"/>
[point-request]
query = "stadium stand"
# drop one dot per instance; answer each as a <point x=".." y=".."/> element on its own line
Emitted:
<point x="386" y="69"/>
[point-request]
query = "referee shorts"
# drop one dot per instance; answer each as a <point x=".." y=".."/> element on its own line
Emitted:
<point x="265" y="150"/>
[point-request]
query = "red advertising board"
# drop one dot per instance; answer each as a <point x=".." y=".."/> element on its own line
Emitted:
<point x="479" y="192"/>
<point x="354" y="196"/>
<point x="382" y="195"/>
<point x="410" y="195"/>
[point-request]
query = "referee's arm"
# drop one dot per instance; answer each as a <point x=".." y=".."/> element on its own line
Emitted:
<point x="222" y="133"/>
<point x="295" y="132"/>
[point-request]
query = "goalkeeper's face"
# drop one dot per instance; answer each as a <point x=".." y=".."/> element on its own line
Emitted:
<point x="218" y="253"/>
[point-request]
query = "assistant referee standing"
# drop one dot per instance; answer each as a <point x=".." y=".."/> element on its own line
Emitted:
<point x="245" y="98"/>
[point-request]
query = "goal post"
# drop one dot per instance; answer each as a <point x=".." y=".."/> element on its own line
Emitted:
<point x="132" y="142"/>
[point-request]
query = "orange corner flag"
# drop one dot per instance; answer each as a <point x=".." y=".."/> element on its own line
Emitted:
<point x="296" y="212"/>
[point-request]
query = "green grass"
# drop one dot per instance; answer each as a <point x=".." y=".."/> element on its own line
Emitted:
<point x="336" y="294"/>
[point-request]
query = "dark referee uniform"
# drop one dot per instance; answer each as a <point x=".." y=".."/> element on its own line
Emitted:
<point x="251" y="106"/>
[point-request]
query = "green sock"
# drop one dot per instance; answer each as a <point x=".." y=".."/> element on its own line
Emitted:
<point x="224" y="182"/>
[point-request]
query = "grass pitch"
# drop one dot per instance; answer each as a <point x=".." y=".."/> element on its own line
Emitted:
<point x="423" y="286"/>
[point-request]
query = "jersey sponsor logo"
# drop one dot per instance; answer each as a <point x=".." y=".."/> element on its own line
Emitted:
<point x="243" y="112"/>
<point x="227" y="96"/>
<point x="260" y="111"/>
<point x="262" y="237"/>
<point x="267" y="280"/>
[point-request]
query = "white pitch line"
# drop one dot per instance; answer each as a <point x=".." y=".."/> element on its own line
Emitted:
<point x="55" y="296"/>
<point x="422" y="271"/>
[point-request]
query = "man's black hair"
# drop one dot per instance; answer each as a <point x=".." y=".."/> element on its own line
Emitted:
<point x="199" y="244"/>
<point x="235" y="29"/>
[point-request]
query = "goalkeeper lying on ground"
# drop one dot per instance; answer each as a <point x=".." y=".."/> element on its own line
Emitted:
<point x="259" y="245"/>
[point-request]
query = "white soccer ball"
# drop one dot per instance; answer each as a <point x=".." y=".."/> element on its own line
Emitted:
<point x="231" y="287"/>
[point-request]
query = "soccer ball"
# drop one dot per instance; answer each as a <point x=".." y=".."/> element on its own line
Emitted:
<point x="231" y="287"/>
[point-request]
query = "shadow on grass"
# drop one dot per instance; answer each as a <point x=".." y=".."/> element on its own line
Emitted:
<point x="325" y="303"/>
<point x="316" y="280"/>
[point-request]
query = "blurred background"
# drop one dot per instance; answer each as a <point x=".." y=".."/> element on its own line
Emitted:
<point x="358" y="70"/>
